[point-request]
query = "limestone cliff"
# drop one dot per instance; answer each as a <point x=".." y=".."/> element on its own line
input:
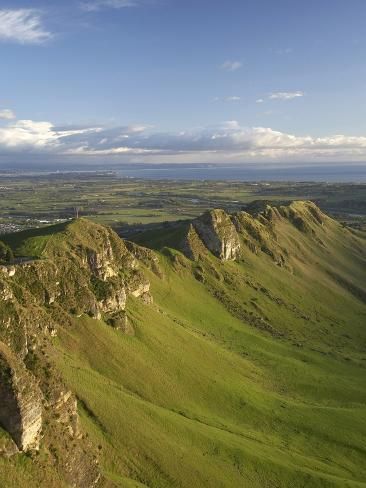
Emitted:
<point x="216" y="230"/>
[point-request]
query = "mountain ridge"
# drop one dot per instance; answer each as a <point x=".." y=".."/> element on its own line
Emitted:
<point x="231" y="284"/>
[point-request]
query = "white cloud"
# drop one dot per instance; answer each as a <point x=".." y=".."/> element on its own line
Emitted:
<point x="231" y="65"/>
<point x="259" y="100"/>
<point x="115" y="151"/>
<point x="228" y="141"/>
<point x="25" y="135"/>
<point x="7" y="114"/>
<point x="286" y="95"/>
<point x="23" y="26"/>
<point x="95" y="5"/>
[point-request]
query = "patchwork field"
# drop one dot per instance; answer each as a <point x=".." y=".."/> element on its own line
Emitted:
<point x="33" y="201"/>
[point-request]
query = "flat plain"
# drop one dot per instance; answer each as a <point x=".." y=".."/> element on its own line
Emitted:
<point x="33" y="201"/>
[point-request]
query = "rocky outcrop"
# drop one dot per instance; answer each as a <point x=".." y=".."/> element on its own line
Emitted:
<point x="139" y="287"/>
<point x="87" y="269"/>
<point x="216" y="230"/>
<point x="20" y="401"/>
<point x="6" y="293"/>
<point x="121" y="322"/>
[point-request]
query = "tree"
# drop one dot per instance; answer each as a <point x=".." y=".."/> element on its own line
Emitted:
<point x="6" y="254"/>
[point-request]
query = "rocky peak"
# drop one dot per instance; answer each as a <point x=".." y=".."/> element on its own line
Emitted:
<point x="217" y="231"/>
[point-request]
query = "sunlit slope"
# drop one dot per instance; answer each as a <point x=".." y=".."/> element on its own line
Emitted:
<point x="241" y="373"/>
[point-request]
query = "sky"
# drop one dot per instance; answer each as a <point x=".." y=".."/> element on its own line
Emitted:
<point x="182" y="81"/>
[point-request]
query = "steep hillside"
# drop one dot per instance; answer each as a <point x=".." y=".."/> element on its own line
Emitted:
<point x="232" y="353"/>
<point x="69" y="271"/>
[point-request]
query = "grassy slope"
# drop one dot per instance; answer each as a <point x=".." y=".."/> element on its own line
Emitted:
<point x="200" y="398"/>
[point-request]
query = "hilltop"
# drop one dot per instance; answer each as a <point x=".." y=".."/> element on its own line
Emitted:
<point x="227" y="350"/>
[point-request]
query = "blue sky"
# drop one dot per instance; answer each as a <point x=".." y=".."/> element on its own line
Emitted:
<point x="183" y="81"/>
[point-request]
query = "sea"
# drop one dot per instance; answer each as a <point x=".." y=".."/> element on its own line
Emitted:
<point x="341" y="173"/>
<point x="331" y="174"/>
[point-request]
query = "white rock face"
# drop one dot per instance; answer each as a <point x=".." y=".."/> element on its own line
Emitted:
<point x="218" y="233"/>
<point x="115" y="302"/>
<point x="101" y="264"/>
<point x="31" y="414"/>
<point x="20" y="402"/>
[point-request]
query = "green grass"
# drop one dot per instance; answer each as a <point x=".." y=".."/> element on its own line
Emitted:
<point x="32" y="242"/>
<point x="200" y="398"/>
<point x="21" y="471"/>
<point x="176" y="408"/>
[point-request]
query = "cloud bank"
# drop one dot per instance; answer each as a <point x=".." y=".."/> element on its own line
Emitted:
<point x="26" y="140"/>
